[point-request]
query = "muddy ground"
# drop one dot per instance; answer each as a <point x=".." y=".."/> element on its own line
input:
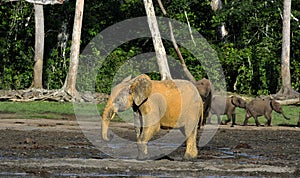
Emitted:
<point x="50" y="148"/>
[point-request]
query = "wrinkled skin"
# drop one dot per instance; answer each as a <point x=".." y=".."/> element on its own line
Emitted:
<point x="205" y="89"/>
<point x="221" y="106"/>
<point x="262" y="107"/>
<point x="157" y="104"/>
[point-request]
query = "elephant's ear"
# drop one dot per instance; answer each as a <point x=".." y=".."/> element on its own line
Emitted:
<point x="126" y="79"/>
<point x="236" y="101"/>
<point x="275" y="106"/>
<point x="141" y="90"/>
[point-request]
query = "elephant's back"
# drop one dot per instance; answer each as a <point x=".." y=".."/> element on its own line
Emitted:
<point x="175" y="88"/>
<point x="258" y="106"/>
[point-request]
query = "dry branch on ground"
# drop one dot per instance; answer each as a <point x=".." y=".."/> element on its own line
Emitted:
<point x="50" y="95"/>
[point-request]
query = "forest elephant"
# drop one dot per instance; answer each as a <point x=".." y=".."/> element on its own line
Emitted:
<point x="262" y="107"/>
<point x="156" y="105"/>
<point x="205" y="89"/>
<point x="221" y="105"/>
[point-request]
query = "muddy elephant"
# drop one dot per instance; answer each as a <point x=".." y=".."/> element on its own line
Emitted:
<point x="156" y="105"/>
<point x="221" y="105"/>
<point x="205" y="89"/>
<point x="262" y="107"/>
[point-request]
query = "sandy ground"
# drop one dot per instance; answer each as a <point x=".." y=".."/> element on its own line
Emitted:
<point x="46" y="147"/>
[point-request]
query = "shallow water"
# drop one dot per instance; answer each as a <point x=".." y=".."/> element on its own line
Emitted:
<point x="230" y="154"/>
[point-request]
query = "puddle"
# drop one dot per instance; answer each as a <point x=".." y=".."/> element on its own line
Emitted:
<point x="230" y="154"/>
<point x="14" y="174"/>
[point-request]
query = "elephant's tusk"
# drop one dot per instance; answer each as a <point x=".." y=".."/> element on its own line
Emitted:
<point x="113" y="115"/>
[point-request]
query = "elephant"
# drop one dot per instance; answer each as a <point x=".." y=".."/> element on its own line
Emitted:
<point x="156" y="105"/>
<point x="262" y="107"/>
<point x="222" y="105"/>
<point x="205" y="89"/>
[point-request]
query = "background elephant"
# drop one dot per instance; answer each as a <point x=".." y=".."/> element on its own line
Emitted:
<point x="205" y="89"/>
<point x="221" y="105"/>
<point x="156" y="104"/>
<point x="260" y="107"/>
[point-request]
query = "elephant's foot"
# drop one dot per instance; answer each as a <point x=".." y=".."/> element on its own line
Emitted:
<point x="142" y="157"/>
<point x="233" y="124"/>
<point x="142" y="151"/>
<point x="222" y="123"/>
<point x="227" y="121"/>
<point x="190" y="156"/>
<point x="191" y="152"/>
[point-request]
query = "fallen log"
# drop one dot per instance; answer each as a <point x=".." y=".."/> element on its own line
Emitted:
<point x="293" y="101"/>
<point x="50" y="95"/>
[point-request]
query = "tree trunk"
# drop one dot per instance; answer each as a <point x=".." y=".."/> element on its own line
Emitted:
<point x="70" y="83"/>
<point x="286" y="88"/>
<point x="161" y="55"/>
<point x="39" y="47"/>
<point x="215" y="6"/>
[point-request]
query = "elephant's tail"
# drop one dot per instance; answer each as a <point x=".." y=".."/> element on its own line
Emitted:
<point x="201" y="115"/>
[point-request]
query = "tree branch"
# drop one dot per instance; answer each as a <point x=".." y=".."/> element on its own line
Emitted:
<point x="185" y="69"/>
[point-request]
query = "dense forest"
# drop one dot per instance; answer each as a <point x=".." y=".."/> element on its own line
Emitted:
<point x="250" y="51"/>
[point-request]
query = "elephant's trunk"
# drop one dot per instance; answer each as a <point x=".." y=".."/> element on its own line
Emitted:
<point x="108" y="114"/>
<point x="285" y="116"/>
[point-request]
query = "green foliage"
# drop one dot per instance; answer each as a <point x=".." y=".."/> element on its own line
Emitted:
<point x="16" y="45"/>
<point x="250" y="54"/>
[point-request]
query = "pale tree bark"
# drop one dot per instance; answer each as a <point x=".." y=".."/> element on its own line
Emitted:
<point x="37" y="81"/>
<point x="159" y="48"/>
<point x="286" y="89"/>
<point x="70" y="83"/>
<point x="185" y="69"/>
<point x="39" y="47"/>
<point x="215" y="6"/>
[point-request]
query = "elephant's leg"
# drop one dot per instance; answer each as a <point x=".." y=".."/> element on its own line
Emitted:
<point x="268" y="116"/>
<point x="219" y="119"/>
<point x="191" y="151"/>
<point x="256" y="121"/>
<point x="146" y="134"/>
<point x="229" y="118"/>
<point x="209" y="119"/>
<point x="233" y="120"/>
<point x="137" y="124"/>
<point x="247" y="116"/>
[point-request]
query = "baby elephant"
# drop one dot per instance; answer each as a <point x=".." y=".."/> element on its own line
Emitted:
<point x="221" y="105"/>
<point x="260" y="107"/>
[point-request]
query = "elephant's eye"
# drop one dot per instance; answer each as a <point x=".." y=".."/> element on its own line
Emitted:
<point x="119" y="99"/>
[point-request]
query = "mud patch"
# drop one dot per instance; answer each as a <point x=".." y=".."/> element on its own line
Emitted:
<point x="59" y="148"/>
